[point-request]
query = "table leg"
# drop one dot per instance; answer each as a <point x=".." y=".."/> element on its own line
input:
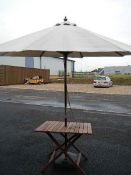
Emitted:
<point x="59" y="147"/>
<point x="51" y="161"/>
<point x="77" y="166"/>
<point x="70" y="142"/>
<point x="75" y="147"/>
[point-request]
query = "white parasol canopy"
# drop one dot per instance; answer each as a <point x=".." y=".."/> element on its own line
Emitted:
<point x="64" y="37"/>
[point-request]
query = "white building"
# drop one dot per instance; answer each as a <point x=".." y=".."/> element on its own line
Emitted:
<point x="55" y="65"/>
<point x="117" y="70"/>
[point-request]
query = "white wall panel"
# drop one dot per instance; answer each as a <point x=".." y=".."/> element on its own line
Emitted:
<point x="13" y="61"/>
<point x="54" y="64"/>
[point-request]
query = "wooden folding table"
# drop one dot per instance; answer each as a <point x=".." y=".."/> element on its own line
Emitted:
<point x="72" y="132"/>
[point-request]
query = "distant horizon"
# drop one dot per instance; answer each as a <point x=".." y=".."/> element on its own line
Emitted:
<point x="102" y="68"/>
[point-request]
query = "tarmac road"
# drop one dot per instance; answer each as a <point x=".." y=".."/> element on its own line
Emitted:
<point x="23" y="152"/>
<point x="93" y="102"/>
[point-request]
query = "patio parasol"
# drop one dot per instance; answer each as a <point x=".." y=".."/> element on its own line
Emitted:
<point x="65" y="40"/>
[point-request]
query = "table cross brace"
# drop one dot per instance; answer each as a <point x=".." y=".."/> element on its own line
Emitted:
<point x="55" y="155"/>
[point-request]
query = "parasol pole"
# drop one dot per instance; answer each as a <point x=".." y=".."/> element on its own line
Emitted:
<point x="65" y="96"/>
<point x="65" y="85"/>
<point x="40" y="62"/>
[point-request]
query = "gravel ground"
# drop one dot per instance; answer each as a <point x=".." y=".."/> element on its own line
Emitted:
<point x="86" y="88"/>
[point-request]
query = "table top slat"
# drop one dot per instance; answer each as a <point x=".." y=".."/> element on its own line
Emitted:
<point x="52" y="125"/>
<point x="69" y="125"/>
<point x="77" y="127"/>
<point x="49" y="124"/>
<point x="81" y="128"/>
<point x="59" y="127"/>
<point x="73" y="127"/>
<point x="63" y="129"/>
<point x="44" y="125"/>
<point x="89" y="128"/>
<point x="85" y="128"/>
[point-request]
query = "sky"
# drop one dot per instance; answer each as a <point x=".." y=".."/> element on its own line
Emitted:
<point x="111" y="18"/>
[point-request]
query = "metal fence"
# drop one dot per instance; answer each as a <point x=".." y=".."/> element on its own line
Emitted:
<point x="81" y="74"/>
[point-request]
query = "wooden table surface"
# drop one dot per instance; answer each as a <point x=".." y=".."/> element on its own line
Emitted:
<point x="59" y="127"/>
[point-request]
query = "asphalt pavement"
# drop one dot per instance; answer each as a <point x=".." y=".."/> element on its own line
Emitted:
<point x="86" y="101"/>
<point x="23" y="151"/>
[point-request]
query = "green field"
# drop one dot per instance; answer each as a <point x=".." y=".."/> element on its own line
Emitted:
<point x="117" y="79"/>
<point x="121" y="79"/>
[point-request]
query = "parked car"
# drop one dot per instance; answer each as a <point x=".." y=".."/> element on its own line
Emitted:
<point x="102" y="81"/>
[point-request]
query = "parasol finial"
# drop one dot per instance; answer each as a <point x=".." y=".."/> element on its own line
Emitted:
<point x="65" y="19"/>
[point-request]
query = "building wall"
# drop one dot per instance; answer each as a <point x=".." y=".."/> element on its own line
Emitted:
<point x="54" y="64"/>
<point x="117" y="70"/>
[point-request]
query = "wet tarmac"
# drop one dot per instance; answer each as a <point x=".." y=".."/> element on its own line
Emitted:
<point x="94" y="102"/>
